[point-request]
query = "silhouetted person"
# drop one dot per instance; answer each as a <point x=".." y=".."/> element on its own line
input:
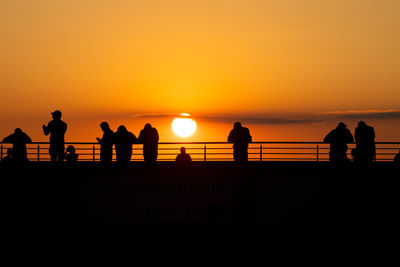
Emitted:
<point x="183" y="158"/>
<point x="365" y="143"/>
<point x="149" y="138"/>
<point x="396" y="159"/>
<point x="56" y="128"/>
<point x="123" y="144"/>
<point x="70" y="154"/>
<point x="9" y="158"/>
<point x="19" y="139"/>
<point x="240" y="137"/>
<point x="106" y="143"/>
<point x="338" y="140"/>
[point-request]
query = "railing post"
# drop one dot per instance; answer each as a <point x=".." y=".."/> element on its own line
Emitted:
<point x="38" y="152"/>
<point x="260" y="152"/>
<point x="205" y="153"/>
<point x="1" y="153"/>
<point x="94" y="153"/>
<point x="317" y="153"/>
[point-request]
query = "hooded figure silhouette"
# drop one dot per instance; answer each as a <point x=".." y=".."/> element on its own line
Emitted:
<point x="240" y="137"/>
<point x="19" y="139"/>
<point x="365" y="143"/>
<point x="338" y="139"/>
<point x="123" y="144"/>
<point x="149" y="138"/>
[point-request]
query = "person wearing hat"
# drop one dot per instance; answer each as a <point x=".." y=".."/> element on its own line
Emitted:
<point x="338" y="139"/>
<point x="56" y="128"/>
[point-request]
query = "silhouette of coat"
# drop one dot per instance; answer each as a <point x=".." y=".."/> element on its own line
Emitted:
<point x="338" y="140"/>
<point x="365" y="143"/>
<point x="240" y="137"/>
<point x="19" y="139"/>
<point x="106" y="142"/>
<point x="56" y="128"/>
<point x="123" y="144"/>
<point x="149" y="138"/>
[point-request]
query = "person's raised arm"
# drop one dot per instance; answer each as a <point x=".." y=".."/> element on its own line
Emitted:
<point x="46" y="129"/>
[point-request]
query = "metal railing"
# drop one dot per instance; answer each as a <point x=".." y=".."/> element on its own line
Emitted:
<point x="213" y="151"/>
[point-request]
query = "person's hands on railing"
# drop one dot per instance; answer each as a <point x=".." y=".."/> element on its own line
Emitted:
<point x="99" y="140"/>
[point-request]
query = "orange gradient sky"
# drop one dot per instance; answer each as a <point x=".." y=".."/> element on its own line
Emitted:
<point x="287" y="69"/>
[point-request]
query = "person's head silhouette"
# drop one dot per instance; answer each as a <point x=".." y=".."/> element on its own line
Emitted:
<point x="362" y="124"/>
<point x="147" y="126"/>
<point x="237" y="125"/>
<point x="104" y="126"/>
<point x="122" y="129"/>
<point x="71" y="149"/>
<point x="18" y="131"/>
<point x="183" y="150"/>
<point x="341" y="126"/>
<point x="56" y="115"/>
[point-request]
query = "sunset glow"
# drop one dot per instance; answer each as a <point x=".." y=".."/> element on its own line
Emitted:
<point x="184" y="126"/>
<point x="287" y="61"/>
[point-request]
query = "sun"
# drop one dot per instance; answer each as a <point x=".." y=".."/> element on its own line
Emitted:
<point x="184" y="125"/>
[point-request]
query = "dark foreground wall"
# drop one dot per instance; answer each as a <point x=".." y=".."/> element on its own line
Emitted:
<point x="265" y="201"/>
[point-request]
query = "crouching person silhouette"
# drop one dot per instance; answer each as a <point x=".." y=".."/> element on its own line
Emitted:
<point x="70" y="155"/>
<point x="19" y="139"/>
<point x="56" y="128"/>
<point x="183" y="158"/>
<point x="338" y="139"/>
<point x="240" y="137"/>
<point x="123" y="145"/>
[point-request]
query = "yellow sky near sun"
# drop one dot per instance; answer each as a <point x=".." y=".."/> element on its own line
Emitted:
<point x="209" y="56"/>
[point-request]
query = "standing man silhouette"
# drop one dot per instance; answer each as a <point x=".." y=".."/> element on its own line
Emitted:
<point x="149" y="138"/>
<point x="19" y="139"/>
<point x="240" y="137"/>
<point x="338" y="139"/>
<point x="106" y="142"/>
<point x="56" y="128"/>
<point x="365" y="143"/>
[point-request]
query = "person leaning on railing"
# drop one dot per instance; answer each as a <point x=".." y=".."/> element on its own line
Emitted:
<point x="19" y="139"/>
<point x="240" y="137"/>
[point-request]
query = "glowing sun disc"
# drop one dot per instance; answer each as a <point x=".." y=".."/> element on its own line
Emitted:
<point x="184" y="126"/>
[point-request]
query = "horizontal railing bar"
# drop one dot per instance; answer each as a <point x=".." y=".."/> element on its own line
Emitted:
<point x="202" y="143"/>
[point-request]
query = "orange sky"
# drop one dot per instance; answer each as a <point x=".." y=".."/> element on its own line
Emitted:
<point x="111" y="60"/>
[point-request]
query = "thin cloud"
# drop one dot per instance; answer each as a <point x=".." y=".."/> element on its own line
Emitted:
<point x="365" y="114"/>
<point x="258" y="120"/>
<point x="231" y="118"/>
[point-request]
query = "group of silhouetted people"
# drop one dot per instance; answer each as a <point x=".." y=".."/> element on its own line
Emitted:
<point x="123" y="141"/>
<point x="363" y="154"/>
